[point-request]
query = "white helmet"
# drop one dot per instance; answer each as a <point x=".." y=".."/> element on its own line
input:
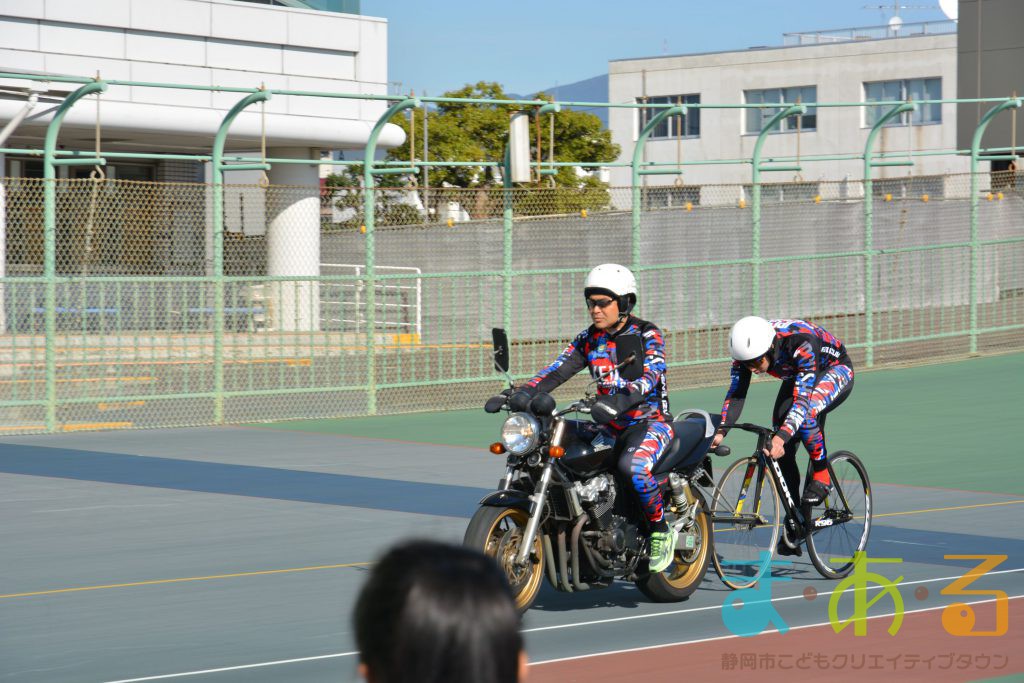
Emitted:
<point x="613" y="280"/>
<point x="750" y="338"/>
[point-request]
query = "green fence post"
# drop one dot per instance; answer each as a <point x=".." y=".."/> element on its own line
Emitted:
<point x="369" y="209"/>
<point x="638" y="151"/>
<point x="755" y="202"/>
<point x="50" y="243"/>
<point x="869" y="237"/>
<point x="979" y="131"/>
<point x="218" y="167"/>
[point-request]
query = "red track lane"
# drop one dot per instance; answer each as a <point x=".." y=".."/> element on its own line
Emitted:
<point x="921" y="651"/>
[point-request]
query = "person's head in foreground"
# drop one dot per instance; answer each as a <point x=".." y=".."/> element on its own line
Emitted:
<point x="437" y="613"/>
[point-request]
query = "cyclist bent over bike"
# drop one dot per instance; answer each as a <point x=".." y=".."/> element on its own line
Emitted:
<point x="817" y="376"/>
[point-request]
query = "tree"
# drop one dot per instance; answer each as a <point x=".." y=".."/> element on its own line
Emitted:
<point x="479" y="132"/>
<point x="392" y="202"/>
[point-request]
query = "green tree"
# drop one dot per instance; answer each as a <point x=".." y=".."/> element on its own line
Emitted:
<point x="479" y="132"/>
<point x="391" y="205"/>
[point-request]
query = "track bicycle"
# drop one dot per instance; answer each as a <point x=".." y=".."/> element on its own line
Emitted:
<point x="746" y="523"/>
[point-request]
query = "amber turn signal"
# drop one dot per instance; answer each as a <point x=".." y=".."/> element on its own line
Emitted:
<point x="497" y="448"/>
<point x="556" y="451"/>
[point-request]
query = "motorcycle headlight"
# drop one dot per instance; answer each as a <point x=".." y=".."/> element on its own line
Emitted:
<point x="520" y="433"/>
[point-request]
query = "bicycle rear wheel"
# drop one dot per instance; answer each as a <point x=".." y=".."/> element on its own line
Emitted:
<point x="840" y="526"/>
<point x="745" y="523"/>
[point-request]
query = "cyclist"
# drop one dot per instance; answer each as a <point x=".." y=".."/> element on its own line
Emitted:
<point x="633" y="413"/>
<point x="817" y="376"/>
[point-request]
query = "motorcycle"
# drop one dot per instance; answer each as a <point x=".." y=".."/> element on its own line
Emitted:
<point x="563" y="511"/>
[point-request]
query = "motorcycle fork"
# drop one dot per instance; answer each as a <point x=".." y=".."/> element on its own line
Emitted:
<point x="539" y="497"/>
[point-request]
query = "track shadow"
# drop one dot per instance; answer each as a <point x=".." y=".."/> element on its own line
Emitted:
<point x="241" y="480"/>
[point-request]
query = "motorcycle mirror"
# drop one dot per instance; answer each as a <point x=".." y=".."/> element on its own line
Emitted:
<point x="501" y="356"/>
<point x="626" y="346"/>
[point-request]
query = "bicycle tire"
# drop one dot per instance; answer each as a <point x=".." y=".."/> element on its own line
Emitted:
<point x="832" y="548"/>
<point x="743" y="551"/>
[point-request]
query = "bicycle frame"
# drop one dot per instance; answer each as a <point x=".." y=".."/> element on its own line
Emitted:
<point x="764" y="437"/>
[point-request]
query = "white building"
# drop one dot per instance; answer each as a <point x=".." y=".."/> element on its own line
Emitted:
<point x="307" y="45"/>
<point x="833" y="67"/>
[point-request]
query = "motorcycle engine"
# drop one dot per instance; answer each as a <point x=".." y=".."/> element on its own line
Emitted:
<point x="597" y="496"/>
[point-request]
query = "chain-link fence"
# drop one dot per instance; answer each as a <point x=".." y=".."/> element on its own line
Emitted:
<point x="314" y="316"/>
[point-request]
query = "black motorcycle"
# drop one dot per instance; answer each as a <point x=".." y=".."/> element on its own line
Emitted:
<point x="562" y="509"/>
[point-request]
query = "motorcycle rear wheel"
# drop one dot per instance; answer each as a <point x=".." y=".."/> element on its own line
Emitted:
<point x="688" y="568"/>
<point x="498" y="533"/>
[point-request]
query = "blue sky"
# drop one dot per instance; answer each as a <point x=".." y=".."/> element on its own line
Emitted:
<point x="531" y="44"/>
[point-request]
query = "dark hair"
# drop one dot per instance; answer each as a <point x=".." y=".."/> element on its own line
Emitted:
<point x="437" y="613"/>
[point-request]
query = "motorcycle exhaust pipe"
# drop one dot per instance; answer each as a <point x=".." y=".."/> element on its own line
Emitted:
<point x="575" y="545"/>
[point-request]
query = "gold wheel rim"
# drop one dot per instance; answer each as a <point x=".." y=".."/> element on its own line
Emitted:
<point x="503" y="544"/>
<point x="682" y="571"/>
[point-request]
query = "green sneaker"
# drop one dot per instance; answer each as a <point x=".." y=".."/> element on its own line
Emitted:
<point x="663" y="548"/>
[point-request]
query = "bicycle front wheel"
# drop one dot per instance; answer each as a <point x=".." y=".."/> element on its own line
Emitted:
<point x="745" y="523"/>
<point x="840" y="526"/>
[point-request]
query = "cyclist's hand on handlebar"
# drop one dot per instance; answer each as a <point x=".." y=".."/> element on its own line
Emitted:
<point x="715" y="442"/>
<point x="777" y="448"/>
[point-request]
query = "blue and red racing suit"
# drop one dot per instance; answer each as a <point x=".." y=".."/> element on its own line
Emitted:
<point x="596" y="349"/>
<point x="817" y="376"/>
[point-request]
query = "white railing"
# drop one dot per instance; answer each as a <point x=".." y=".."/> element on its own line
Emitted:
<point x="893" y="30"/>
<point x="398" y="304"/>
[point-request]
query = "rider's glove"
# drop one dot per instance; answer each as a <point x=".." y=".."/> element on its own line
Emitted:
<point x="607" y="408"/>
<point x="496" y="403"/>
<point x="520" y="399"/>
<point x="612" y="380"/>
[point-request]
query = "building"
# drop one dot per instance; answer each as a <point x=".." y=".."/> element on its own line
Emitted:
<point x="919" y="61"/>
<point x="309" y="45"/>
<point x="990" y="48"/>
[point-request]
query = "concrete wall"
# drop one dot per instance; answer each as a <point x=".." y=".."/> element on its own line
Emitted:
<point x="693" y="296"/>
<point x="837" y="70"/>
<point x="995" y="71"/>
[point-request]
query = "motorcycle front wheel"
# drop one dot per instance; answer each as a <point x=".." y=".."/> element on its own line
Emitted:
<point x="688" y="567"/>
<point x="498" y="533"/>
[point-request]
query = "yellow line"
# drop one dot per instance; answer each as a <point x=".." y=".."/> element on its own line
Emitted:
<point x="187" y="578"/>
<point x="77" y="380"/>
<point x="102" y="407"/>
<point x="958" y="507"/>
<point x="83" y="426"/>
<point x="366" y="564"/>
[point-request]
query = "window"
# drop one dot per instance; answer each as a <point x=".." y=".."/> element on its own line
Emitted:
<point x="797" y="191"/>
<point x="687" y="126"/>
<point x="670" y="196"/>
<point x="915" y="89"/>
<point x="910" y="187"/>
<point x="757" y="118"/>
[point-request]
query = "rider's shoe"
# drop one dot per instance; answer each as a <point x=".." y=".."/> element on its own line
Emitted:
<point x="815" y="493"/>
<point x="663" y="548"/>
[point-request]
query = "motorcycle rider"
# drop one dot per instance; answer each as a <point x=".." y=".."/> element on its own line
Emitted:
<point x="632" y="413"/>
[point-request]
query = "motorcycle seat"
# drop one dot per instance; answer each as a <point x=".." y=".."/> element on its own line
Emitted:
<point x="688" y="446"/>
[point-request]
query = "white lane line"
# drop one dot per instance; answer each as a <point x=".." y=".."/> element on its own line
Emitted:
<point x="111" y="507"/>
<point x="765" y="632"/>
<point x="234" y="668"/>
<point x="575" y="625"/>
<point x="752" y="602"/>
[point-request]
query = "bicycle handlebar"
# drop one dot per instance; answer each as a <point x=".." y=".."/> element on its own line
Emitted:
<point x="756" y="429"/>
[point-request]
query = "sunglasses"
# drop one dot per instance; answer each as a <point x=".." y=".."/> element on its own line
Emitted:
<point x="600" y="303"/>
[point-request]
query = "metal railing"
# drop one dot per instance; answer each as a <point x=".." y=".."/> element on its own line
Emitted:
<point x="136" y="307"/>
